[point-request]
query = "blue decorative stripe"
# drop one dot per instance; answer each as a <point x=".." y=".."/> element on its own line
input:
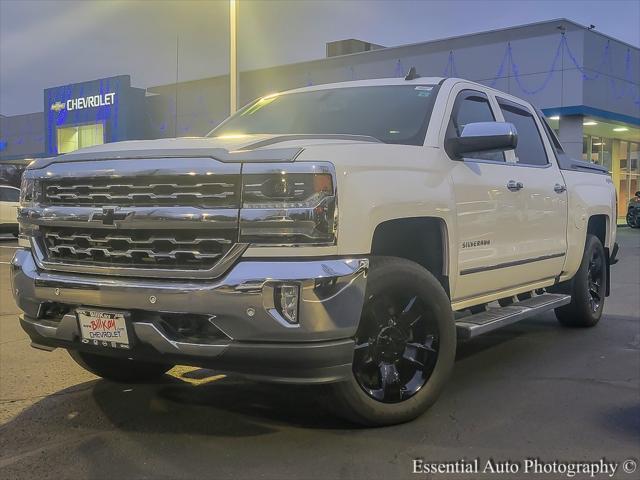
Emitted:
<point x="592" y="112"/>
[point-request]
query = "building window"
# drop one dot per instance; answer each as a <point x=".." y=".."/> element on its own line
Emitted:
<point x="81" y="136"/>
<point x="621" y="158"/>
<point x="634" y="174"/>
<point x="625" y="172"/>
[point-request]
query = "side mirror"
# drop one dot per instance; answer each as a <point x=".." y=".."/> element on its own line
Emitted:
<point x="483" y="137"/>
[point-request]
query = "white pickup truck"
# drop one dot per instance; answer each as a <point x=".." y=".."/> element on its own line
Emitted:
<point x="346" y="235"/>
<point x="9" y="197"/>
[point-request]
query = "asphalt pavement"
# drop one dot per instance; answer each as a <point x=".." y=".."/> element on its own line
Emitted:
<point x="532" y="390"/>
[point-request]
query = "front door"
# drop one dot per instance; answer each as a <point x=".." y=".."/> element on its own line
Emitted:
<point x="486" y="210"/>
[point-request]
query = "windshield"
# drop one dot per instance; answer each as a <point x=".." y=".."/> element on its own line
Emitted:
<point x="390" y="113"/>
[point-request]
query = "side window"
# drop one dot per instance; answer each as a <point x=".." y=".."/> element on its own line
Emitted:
<point x="9" y="195"/>
<point x="530" y="149"/>
<point x="470" y="107"/>
<point x="557" y="146"/>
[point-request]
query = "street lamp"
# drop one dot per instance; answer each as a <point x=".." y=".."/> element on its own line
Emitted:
<point x="233" y="59"/>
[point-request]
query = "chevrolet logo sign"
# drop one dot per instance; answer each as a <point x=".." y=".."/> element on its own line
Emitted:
<point x="56" y="107"/>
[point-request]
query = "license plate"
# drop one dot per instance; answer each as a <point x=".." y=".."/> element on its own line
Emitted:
<point x="103" y="328"/>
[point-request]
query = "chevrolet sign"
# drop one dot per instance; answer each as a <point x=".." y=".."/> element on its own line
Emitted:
<point x="85" y="102"/>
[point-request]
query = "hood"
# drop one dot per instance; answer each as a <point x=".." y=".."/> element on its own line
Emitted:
<point x="236" y="148"/>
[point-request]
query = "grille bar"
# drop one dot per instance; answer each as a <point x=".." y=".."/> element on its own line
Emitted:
<point x="130" y="252"/>
<point x="134" y="196"/>
<point x="210" y="191"/>
<point x="187" y="249"/>
<point x="79" y="236"/>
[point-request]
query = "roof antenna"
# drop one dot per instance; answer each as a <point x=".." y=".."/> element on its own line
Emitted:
<point x="412" y="75"/>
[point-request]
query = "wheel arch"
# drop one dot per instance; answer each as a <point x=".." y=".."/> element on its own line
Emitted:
<point x="600" y="225"/>
<point x="424" y="240"/>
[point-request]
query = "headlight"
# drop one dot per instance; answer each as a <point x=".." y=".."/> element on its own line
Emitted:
<point x="292" y="203"/>
<point x="28" y="191"/>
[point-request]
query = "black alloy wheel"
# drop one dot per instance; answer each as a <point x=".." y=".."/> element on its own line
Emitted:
<point x="404" y="347"/>
<point x="396" y="347"/>
<point x="588" y="288"/>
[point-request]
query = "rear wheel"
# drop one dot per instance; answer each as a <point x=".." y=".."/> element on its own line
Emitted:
<point x="119" y="369"/>
<point x="404" y="348"/>
<point x="587" y="288"/>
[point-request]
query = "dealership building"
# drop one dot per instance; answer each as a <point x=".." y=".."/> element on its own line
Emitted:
<point x="586" y="83"/>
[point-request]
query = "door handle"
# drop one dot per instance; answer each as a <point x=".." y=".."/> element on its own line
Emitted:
<point x="515" y="186"/>
<point x="558" y="188"/>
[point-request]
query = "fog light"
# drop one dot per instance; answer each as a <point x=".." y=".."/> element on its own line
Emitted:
<point x="286" y="301"/>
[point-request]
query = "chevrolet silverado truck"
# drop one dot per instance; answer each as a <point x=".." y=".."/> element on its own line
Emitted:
<point x="346" y="235"/>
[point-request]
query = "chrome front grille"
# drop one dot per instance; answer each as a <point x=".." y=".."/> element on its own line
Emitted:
<point x="206" y="191"/>
<point x="185" y="250"/>
<point x="165" y="217"/>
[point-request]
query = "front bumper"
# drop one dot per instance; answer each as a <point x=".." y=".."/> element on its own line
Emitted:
<point x="256" y="341"/>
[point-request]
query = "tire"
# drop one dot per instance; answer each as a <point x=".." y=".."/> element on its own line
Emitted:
<point x="587" y="288"/>
<point x="119" y="369"/>
<point x="414" y="348"/>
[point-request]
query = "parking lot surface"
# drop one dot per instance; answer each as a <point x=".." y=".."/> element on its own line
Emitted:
<point x="532" y="390"/>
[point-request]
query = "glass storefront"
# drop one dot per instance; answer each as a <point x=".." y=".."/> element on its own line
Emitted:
<point x="80" y="136"/>
<point x="620" y="157"/>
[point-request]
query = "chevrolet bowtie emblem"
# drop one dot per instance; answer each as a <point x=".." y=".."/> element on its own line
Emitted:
<point x="56" y="107"/>
<point x="109" y="215"/>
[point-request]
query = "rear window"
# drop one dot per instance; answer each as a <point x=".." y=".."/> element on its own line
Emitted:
<point x="9" y="194"/>
<point x="389" y="113"/>
<point x="530" y="149"/>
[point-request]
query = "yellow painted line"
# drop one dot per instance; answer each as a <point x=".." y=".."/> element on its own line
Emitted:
<point x="180" y="370"/>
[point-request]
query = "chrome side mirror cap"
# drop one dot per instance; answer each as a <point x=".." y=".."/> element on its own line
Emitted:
<point x="483" y="137"/>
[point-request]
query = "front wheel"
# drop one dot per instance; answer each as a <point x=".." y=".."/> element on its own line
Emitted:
<point x="587" y="288"/>
<point x="404" y="348"/>
<point x="119" y="369"/>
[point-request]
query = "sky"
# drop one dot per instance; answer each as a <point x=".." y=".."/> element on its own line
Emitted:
<point x="46" y="43"/>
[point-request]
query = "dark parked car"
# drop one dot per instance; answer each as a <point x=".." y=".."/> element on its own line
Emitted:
<point x="633" y="211"/>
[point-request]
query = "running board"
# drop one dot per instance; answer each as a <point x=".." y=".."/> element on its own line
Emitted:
<point x="493" y="318"/>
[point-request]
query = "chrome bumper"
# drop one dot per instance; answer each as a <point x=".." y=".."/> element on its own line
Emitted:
<point x="240" y="304"/>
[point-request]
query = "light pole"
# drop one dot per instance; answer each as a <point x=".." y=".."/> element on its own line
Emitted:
<point x="233" y="59"/>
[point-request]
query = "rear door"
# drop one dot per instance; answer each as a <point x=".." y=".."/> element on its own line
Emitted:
<point x="542" y="198"/>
